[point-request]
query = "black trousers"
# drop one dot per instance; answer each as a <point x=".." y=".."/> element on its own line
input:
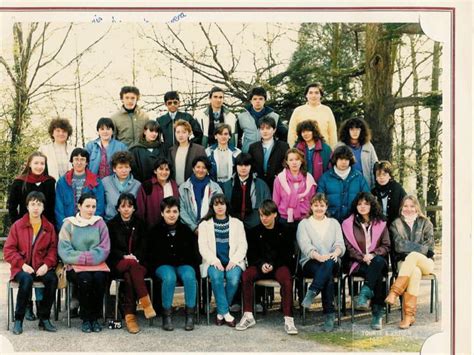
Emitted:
<point x="91" y="289"/>
<point x="373" y="275"/>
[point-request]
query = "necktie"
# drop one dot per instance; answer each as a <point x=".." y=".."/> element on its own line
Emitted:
<point x="244" y="190"/>
<point x="265" y="159"/>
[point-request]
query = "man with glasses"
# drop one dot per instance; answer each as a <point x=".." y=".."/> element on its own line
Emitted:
<point x="166" y="121"/>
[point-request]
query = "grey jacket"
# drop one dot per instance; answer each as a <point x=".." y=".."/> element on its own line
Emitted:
<point x="369" y="158"/>
<point x="112" y="193"/>
<point x="420" y="238"/>
<point x="251" y="133"/>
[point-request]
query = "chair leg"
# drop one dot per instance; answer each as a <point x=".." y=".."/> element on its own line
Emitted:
<point x="198" y="298"/>
<point x="338" y="300"/>
<point x="431" y="296"/>
<point x="304" y="288"/>
<point x="387" y="289"/>
<point x="68" y="304"/>
<point x="344" y="308"/>
<point x="117" y="288"/>
<point x="436" y="300"/>
<point x="8" y="306"/>
<point x="208" y="303"/>
<point x="351" y="287"/>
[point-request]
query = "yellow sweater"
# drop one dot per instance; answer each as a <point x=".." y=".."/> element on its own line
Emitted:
<point x="322" y="114"/>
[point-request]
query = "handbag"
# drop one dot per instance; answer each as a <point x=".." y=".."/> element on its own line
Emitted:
<point x="61" y="274"/>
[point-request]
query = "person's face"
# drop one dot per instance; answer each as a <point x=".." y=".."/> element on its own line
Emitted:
<point x="408" y="208"/>
<point x="313" y="96"/>
<point x="35" y="208"/>
<point x="294" y="162"/>
<point x="382" y="177"/>
<point x="354" y="133"/>
<point x="172" y="105"/>
<point x="79" y="164"/>
<point x="363" y="208"/>
<point x="150" y="136"/>
<point x="307" y="136"/>
<point x="267" y="221"/>
<point x="343" y="164"/>
<point x="60" y="135"/>
<point x="266" y="132"/>
<point x="200" y="170"/>
<point x="257" y="102"/>
<point x="126" y="210"/>
<point x="122" y="171"/>
<point x="37" y="165"/>
<point x="217" y="100"/>
<point x="182" y="134"/>
<point x="129" y="100"/>
<point x="243" y="171"/>
<point x="88" y="207"/>
<point x="170" y="215"/>
<point x="105" y="133"/>
<point x="223" y="137"/>
<point x="219" y="208"/>
<point x="319" y="209"/>
<point x="162" y="173"/>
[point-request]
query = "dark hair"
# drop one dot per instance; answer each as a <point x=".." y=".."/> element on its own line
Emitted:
<point x="343" y="152"/>
<point x="375" y="213"/>
<point x="354" y="122"/>
<point x="214" y="90"/>
<point x="300" y="155"/>
<point x="383" y="165"/>
<point x="171" y="95"/>
<point x="80" y="152"/>
<point x="164" y="161"/>
<point x="35" y="196"/>
<point x="121" y="157"/>
<point x="169" y="202"/>
<point x="152" y="126"/>
<point x="309" y="125"/>
<point x="319" y="197"/>
<point x="204" y="160"/>
<point x="266" y="121"/>
<point x="217" y="198"/>
<point x="257" y="91"/>
<point x="314" y="85"/>
<point x="85" y="196"/>
<point x="243" y="159"/>
<point x="59" y="123"/>
<point x="221" y="127"/>
<point x="105" y="121"/>
<point x="126" y="197"/>
<point x="127" y="89"/>
<point x="268" y="207"/>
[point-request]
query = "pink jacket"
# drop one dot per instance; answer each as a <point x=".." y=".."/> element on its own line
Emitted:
<point x="293" y="205"/>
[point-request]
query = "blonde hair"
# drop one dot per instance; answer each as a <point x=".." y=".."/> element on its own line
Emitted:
<point x="415" y="201"/>
<point x="185" y="124"/>
<point x="300" y="155"/>
<point x="319" y="197"/>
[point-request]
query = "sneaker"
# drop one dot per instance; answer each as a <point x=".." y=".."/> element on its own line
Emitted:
<point x="245" y="323"/>
<point x="308" y="298"/>
<point x="96" y="327"/>
<point x="258" y="308"/>
<point x="86" y="326"/>
<point x="235" y="308"/>
<point x="290" y="326"/>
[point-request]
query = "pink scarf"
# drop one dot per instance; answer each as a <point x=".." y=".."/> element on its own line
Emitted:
<point x="287" y="180"/>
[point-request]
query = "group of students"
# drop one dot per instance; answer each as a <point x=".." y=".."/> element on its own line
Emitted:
<point x="168" y="199"/>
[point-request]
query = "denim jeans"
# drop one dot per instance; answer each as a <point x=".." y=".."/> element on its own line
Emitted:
<point x="224" y="294"/>
<point x="168" y="275"/>
<point x="322" y="274"/>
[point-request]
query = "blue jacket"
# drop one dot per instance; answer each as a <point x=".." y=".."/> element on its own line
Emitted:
<point x="93" y="147"/>
<point x="65" y="205"/>
<point x="340" y="193"/>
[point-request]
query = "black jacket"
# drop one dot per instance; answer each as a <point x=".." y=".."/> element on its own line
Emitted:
<point x="143" y="160"/>
<point x="395" y="193"/>
<point x="167" y="130"/>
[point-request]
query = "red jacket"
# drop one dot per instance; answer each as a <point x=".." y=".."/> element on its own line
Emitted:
<point x="19" y="250"/>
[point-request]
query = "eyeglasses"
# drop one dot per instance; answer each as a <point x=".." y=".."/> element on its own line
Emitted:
<point x="172" y="102"/>
<point x="79" y="160"/>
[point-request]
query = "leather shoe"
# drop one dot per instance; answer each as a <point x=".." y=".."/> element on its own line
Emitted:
<point x="96" y="327"/>
<point x="45" y="324"/>
<point x="18" y="327"/>
<point x="231" y="323"/>
<point x="220" y="321"/>
<point x="86" y="326"/>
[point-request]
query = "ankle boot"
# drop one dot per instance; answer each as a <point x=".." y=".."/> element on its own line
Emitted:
<point x="147" y="307"/>
<point x="167" y="322"/>
<point x="328" y="325"/>
<point x="397" y="289"/>
<point x="377" y="316"/>
<point x="363" y="301"/>
<point x="18" y="327"/>
<point x="189" y="322"/>
<point x="131" y="323"/>
<point x="45" y="324"/>
<point x="409" y="311"/>
<point x="29" y="314"/>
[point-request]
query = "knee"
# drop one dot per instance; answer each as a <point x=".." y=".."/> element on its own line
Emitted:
<point x="168" y="277"/>
<point x="248" y="275"/>
<point x="233" y="279"/>
<point x="416" y="274"/>
<point x="413" y="256"/>
<point x="25" y="280"/>
<point x="189" y="275"/>
<point x="377" y="259"/>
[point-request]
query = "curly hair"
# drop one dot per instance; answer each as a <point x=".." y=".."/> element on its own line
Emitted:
<point x="121" y="157"/>
<point x="61" y="123"/>
<point x="355" y="122"/>
<point x="342" y="152"/>
<point x="309" y="125"/>
<point x="375" y="213"/>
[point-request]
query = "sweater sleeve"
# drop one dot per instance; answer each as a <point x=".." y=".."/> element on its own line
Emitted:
<point x="66" y="250"/>
<point x="241" y="250"/>
<point x="208" y="256"/>
<point x="292" y="128"/>
<point x="304" y="240"/>
<point x="332" y="129"/>
<point x="100" y="252"/>
<point x="59" y="204"/>
<point x="339" y="239"/>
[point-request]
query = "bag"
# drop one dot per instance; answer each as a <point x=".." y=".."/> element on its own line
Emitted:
<point x="61" y="274"/>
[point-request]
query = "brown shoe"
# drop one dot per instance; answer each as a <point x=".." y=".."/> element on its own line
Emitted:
<point x="397" y="289"/>
<point x="131" y="323"/>
<point x="147" y="307"/>
<point x="409" y="311"/>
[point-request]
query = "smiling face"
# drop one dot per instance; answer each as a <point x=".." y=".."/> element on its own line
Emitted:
<point x="37" y="165"/>
<point x="257" y="102"/>
<point x="87" y="208"/>
<point x="319" y="208"/>
<point x="35" y="208"/>
<point x="217" y="100"/>
<point x="170" y="215"/>
<point x="126" y="210"/>
<point x="60" y="136"/>
<point x="363" y="208"/>
<point x="181" y="134"/>
<point x="162" y="173"/>
<point x="313" y="96"/>
<point x="105" y="133"/>
<point x="129" y="100"/>
<point x="409" y="208"/>
<point x="200" y="170"/>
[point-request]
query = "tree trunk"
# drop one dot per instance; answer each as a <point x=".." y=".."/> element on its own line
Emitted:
<point x="402" y="143"/>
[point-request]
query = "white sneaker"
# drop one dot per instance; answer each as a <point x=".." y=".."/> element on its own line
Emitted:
<point x="290" y="326"/>
<point x="258" y="308"/>
<point x="235" y="308"/>
<point x="245" y="323"/>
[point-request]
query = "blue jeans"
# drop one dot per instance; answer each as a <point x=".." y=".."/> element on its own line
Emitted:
<point x="168" y="275"/>
<point x="322" y="274"/>
<point x="224" y="294"/>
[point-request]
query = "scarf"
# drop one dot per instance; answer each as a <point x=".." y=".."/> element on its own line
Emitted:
<point x="34" y="179"/>
<point x="288" y="180"/>
<point x="199" y="186"/>
<point x="258" y="115"/>
<point x="79" y="221"/>
<point x="131" y="111"/>
<point x="148" y="145"/>
<point x="236" y="198"/>
<point x="383" y="190"/>
<point x="210" y="133"/>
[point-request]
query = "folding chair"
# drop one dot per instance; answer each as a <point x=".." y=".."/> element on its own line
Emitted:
<point x="118" y="281"/>
<point x="68" y="304"/>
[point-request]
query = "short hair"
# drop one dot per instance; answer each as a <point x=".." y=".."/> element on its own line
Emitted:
<point x="105" y="121"/>
<point x="61" y="123"/>
<point x="383" y="165"/>
<point x="152" y="126"/>
<point x="257" y="91"/>
<point x="85" y="196"/>
<point x="169" y="202"/>
<point x="129" y="89"/>
<point x="268" y="207"/>
<point x="375" y="213"/>
<point x="162" y="161"/>
<point x="319" y="197"/>
<point x="214" y="90"/>
<point x="80" y="152"/>
<point x="171" y="95"/>
<point x="354" y="122"/>
<point x="309" y="125"/>
<point x="301" y="157"/>
<point x="267" y="121"/>
<point x="343" y="152"/>
<point x="185" y="124"/>
<point x="204" y="160"/>
<point x="314" y="85"/>
<point x="126" y="197"/>
<point x="243" y="159"/>
<point x="121" y="157"/>
<point x="35" y="196"/>
<point x="221" y="127"/>
<point x="415" y="201"/>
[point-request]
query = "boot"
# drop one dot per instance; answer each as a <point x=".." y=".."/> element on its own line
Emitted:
<point x="131" y="323"/>
<point x="363" y="301"/>
<point x="167" y="323"/>
<point x="189" y="322"/>
<point x="397" y="289"/>
<point x="409" y="311"/>
<point x="18" y="327"/>
<point x="45" y="324"/>
<point x="328" y="325"/>
<point x="377" y="316"/>
<point x="147" y="307"/>
<point x="29" y="314"/>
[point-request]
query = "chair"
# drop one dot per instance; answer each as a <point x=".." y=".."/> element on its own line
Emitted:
<point x="118" y="281"/>
<point x="68" y="304"/>
<point x="11" y="285"/>
<point x="270" y="283"/>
